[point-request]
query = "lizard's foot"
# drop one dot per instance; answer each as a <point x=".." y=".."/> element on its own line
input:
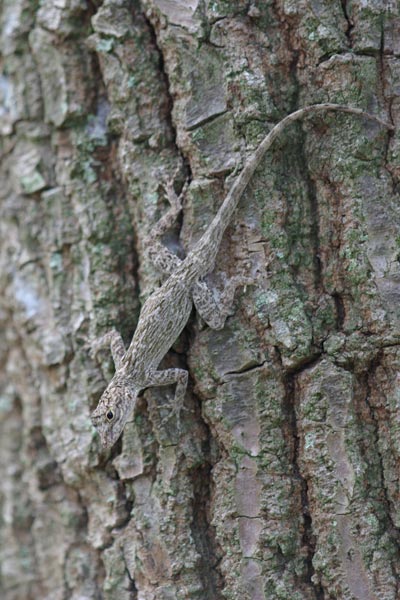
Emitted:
<point x="171" y="376"/>
<point x="174" y="200"/>
<point x="113" y="340"/>
<point x="176" y="412"/>
<point x="172" y="197"/>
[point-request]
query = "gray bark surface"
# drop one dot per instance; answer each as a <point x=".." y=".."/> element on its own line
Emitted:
<point x="284" y="481"/>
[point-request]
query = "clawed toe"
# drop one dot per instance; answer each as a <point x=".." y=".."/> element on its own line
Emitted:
<point x="174" y="412"/>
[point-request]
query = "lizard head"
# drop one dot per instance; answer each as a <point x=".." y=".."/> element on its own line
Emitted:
<point x="114" y="409"/>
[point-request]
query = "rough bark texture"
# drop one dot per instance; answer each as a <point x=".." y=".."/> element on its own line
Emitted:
<point x="284" y="482"/>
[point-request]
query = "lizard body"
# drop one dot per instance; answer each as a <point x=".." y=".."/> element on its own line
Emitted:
<point x="167" y="310"/>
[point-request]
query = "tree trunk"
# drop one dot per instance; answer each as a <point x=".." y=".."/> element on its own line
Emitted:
<point x="284" y="480"/>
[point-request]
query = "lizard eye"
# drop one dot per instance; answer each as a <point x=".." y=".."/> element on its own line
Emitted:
<point x="110" y="415"/>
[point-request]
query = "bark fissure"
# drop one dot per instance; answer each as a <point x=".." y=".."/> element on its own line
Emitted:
<point x="132" y="587"/>
<point x="393" y="530"/>
<point x="248" y="369"/>
<point x="203" y="532"/>
<point x="340" y="311"/>
<point x="350" y="25"/>
<point x="207" y="120"/>
<point x="314" y="217"/>
<point x="308" y="538"/>
<point x="164" y="74"/>
<point x="387" y="101"/>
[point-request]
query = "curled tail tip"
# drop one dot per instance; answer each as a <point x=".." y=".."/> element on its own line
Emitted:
<point x="385" y="124"/>
<point x="354" y="110"/>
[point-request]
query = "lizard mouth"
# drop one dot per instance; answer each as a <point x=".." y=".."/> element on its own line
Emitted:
<point x="107" y="432"/>
<point x="105" y="441"/>
<point x="96" y="421"/>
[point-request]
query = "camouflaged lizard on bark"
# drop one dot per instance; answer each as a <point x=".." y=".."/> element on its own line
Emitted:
<point x="166" y="312"/>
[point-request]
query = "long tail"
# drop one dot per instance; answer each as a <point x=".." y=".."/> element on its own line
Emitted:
<point x="202" y="256"/>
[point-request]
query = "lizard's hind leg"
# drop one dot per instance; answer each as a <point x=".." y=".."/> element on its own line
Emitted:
<point x="212" y="312"/>
<point x="114" y="340"/>
<point x="162" y="258"/>
<point x="168" y="377"/>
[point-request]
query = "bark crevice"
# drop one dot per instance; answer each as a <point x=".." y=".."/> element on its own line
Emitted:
<point x="308" y="538"/>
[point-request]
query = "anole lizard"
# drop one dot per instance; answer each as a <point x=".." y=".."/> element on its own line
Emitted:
<point x="167" y="310"/>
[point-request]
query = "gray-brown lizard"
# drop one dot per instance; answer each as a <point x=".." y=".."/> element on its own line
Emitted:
<point x="166" y="312"/>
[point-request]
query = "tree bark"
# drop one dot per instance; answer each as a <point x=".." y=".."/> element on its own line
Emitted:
<point x="284" y="481"/>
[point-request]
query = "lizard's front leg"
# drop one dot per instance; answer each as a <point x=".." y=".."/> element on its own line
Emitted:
<point x="162" y="258"/>
<point x="114" y="340"/>
<point x="212" y="311"/>
<point x="168" y="377"/>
